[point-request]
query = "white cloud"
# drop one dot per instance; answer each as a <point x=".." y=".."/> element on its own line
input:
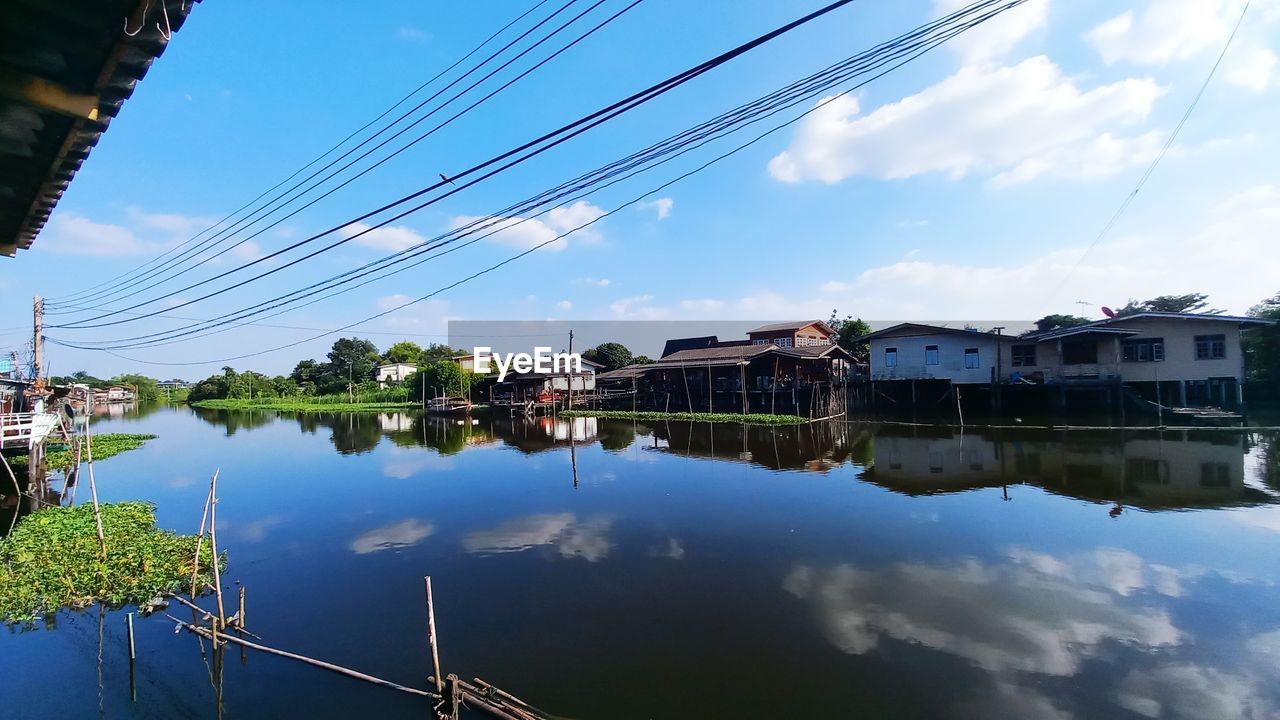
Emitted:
<point x="637" y="307"/>
<point x="997" y="36"/>
<point x="1166" y="30"/>
<point x="1252" y="69"/>
<point x="596" y="282"/>
<point x="389" y="237"/>
<point x="661" y="206"/>
<point x="1017" y="123"/>
<point x="75" y="235"/>
<point x="529" y="233"/>
<point x="564" y="305"/>
<point x="393" y="536"/>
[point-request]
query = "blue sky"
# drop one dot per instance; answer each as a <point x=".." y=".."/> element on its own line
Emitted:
<point x="966" y="185"/>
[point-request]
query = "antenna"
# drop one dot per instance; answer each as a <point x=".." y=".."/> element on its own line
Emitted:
<point x="1084" y="304"/>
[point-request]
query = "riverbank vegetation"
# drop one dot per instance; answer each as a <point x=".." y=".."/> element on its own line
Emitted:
<point x="53" y="560"/>
<point x="104" y="446"/>
<point x="739" y="418"/>
<point x="391" y="399"/>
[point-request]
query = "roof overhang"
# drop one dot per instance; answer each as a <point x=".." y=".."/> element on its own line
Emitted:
<point x="66" y="68"/>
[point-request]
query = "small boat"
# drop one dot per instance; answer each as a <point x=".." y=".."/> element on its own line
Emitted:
<point x="449" y="406"/>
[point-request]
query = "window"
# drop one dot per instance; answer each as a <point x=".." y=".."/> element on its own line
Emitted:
<point x="1211" y="347"/>
<point x="891" y="357"/>
<point x="971" y="358"/>
<point x="782" y="342"/>
<point x="930" y="354"/>
<point x="1079" y="352"/>
<point x="1146" y="470"/>
<point x="1144" y="350"/>
<point x="1215" y="474"/>
<point x="760" y="341"/>
<point x="1023" y="355"/>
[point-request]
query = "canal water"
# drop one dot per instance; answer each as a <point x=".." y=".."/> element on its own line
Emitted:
<point x="610" y="569"/>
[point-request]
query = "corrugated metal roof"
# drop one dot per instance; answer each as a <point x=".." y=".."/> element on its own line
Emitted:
<point x="790" y="325"/>
<point x="66" y="68"/>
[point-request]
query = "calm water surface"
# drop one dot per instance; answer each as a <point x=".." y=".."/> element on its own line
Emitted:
<point x="619" y="570"/>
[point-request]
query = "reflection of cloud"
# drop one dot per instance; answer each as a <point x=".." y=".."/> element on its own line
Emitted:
<point x="1263" y="518"/>
<point x="588" y="539"/>
<point x="1010" y="616"/>
<point x="673" y="549"/>
<point x="1119" y="571"/>
<point x="256" y="530"/>
<point x="1190" y="691"/>
<point x="405" y="533"/>
<point x="405" y="466"/>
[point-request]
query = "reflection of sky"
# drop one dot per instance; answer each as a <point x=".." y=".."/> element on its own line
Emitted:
<point x="965" y="604"/>
<point x="1032" y="614"/>
<point x="587" y="539"/>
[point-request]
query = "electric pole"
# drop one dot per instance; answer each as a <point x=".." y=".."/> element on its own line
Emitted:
<point x="569" y="372"/>
<point x="37" y="312"/>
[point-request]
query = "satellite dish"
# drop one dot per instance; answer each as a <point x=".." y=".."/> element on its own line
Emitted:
<point x="1108" y="311"/>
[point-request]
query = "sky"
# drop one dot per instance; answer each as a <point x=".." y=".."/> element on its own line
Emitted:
<point x="973" y="183"/>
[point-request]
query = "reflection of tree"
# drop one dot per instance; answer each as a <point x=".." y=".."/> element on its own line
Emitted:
<point x="616" y="434"/>
<point x="816" y="446"/>
<point x="1269" y="460"/>
<point x="233" y="420"/>
<point x="353" y="433"/>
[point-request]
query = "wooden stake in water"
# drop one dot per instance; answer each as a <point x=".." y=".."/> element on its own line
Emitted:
<point x="213" y="546"/>
<point x="204" y="521"/>
<point x="129" y="625"/>
<point x="93" y="491"/>
<point x="240" y="611"/>
<point x="431" y="637"/>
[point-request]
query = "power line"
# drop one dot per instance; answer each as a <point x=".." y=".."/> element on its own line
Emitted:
<point x="234" y="229"/>
<point x="1142" y="181"/>
<point x="790" y="95"/>
<point x="917" y="53"/>
<point x="120" y="278"/>
<point x="534" y="147"/>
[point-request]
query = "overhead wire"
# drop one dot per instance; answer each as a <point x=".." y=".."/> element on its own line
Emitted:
<point x="530" y="149"/>
<point x="909" y="58"/>
<point x="796" y="92"/>
<point x="240" y="226"/>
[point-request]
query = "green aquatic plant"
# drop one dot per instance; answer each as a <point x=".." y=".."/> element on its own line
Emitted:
<point x="52" y="561"/>
<point x="104" y="446"/>
<point x="300" y="405"/>
<point x="747" y="419"/>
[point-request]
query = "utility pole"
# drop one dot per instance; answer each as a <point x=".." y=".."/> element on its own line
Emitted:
<point x="999" y="370"/>
<point x="349" y="364"/>
<point x="569" y="372"/>
<point x="37" y="311"/>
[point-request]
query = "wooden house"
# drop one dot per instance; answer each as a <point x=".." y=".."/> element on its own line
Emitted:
<point x="802" y="333"/>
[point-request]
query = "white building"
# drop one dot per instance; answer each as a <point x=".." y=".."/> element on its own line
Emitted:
<point x="914" y="351"/>
<point x="394" y="373"/>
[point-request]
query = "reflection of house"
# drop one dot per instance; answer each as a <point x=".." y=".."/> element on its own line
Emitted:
<point x="393" y="373"/>
<point x="518" y="387"/>
<point x="1152" y="471"/>
<point x="395" y="422"/>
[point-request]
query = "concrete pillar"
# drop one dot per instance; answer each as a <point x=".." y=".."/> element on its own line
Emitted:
<point x="1182" y="393"/>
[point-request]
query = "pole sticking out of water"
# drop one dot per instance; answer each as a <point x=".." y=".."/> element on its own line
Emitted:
<point x="213" y="546"/>
<point x="93" y="491"/>
<point x="204" y="522"/>
<point x="431" y="637"/>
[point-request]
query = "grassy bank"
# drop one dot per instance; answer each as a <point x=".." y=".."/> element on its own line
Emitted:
<point x="749" y="419"/>
<point x="301" y="405"/>
<point x="104" y="446"/>
<point x="53" y="560"/>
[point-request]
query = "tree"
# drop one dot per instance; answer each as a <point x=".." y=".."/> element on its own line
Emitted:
<point x="847" y="331"/>
<point x="350" y="360"/>
<point x="1055" y="321"/>
<point x="441" y="377"/>
<point x="145" y="389"/>
<point x="436" y="351"/>
<point x="404" y="352"/>
<point x="611" y="355"/>
<point x="641" y="360"/>
<point x="1191" y="302"/>
<point x="1262" y="348"/>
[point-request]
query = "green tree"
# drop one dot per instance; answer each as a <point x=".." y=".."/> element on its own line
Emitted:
<point x="1055" y="321"/>
<point x="436" y="351"/>
<point x="211" y="388"/>
<point x="404" y="352"/>
<point x="848" y="330"/>
<point x="1262" y="348"/>
<point x="146" y="389"/>
<point x="611" y="355"/>
<point x="1191" y="302"/>
<point x="350" y="360"/>
<point x="441" y="377"/>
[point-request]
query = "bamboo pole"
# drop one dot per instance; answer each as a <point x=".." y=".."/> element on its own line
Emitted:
<point x="431" y="637"/>
<point x="240" y="611"/>
<point x="213" y="546"/>
<point x="129" y="626"/>
<point x="93" y="491"/>
<point x="206" y="633"/>
<point x="204" y="521"/>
